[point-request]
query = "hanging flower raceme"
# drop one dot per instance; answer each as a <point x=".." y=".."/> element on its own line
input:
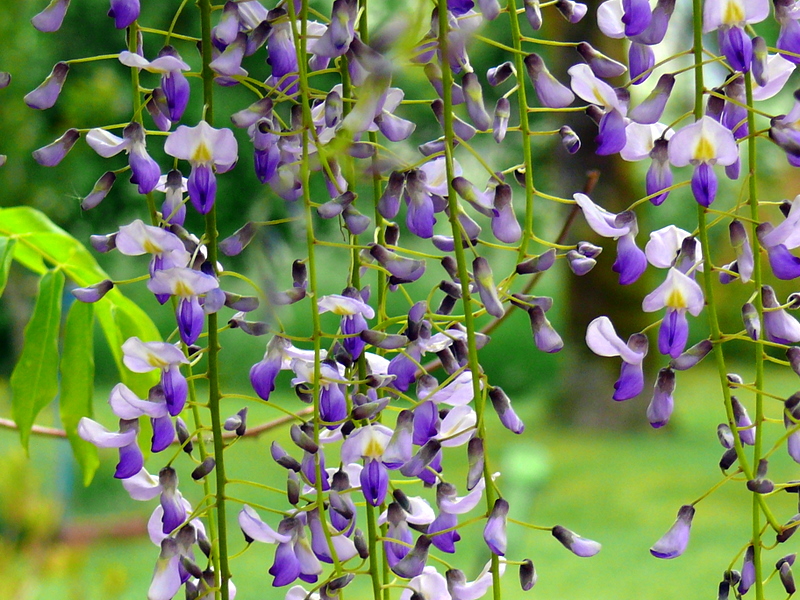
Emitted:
<point x="145" y="171"/>
<point x="603" y="340"/>
<point x="631" y="261"/>
<point x="207" y="150"/>
<point x="678" y="294"/>
<point x="173" y="82"/>
<point x="703" y="144"/>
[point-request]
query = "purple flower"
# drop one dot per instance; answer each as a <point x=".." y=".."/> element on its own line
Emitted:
<point x="173" y="82"/>
<point x="661" y="405"/>
<point x="124" y="12"/>
<point x="131" y="460"/>
<point x="673" y="543"/>
<point x="550" y="91"/>
<point x="603" y="340"/>
<point x="206" y="149"/>
<point x="631" y="261"/>
<point x="703" y="144"/>
<point x="678" y="294"/>
<point x="54" y="153"/>
<point x="494" y="533"/>
<point x="779" y="326"/>
<point x="144" y="357"/>
<point x="145" y="171"/>
<point x="730" y="17"/>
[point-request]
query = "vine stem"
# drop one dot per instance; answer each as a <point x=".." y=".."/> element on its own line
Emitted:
<point x="223" y="575"/>
<point x="463" y="274"/>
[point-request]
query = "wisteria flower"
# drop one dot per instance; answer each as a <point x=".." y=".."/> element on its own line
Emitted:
<point x="207" y="149"/>
<point x="187" y="285"/>
<point x="678" y="294"/>
<point x="131" y="460"/>
<point x="173" y="82"/>
<point x="611" y="135"/>
<point x="603" y="340"/>
<point x="354" y="313"/>
<point x="144" y="357"/>
<point x="145" y="171"/>
<point x="729" y="18"/>
<point x="631" y="261"/>
<point x="703" y="144"/>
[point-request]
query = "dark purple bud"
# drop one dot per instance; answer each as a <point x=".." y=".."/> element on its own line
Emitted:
<point x="734" y="380"/>
<point x="473" y="97"/>
<point x="204" y="468"/>
<point x="475" y="457"/>
<point x="526" y="302"/>
<point x="533" y="13"/>
<point x="551" y="93"/>
<point x="572" y="12"/>
<point x="527" y="575"/>
<point x="748" y="575"/>
<point x="333" y="208"/>
<point x="46" y="94"/>
<point x="253" y="113"/>
<point x="692" y="356"/>
<point x="502" y="112"/>
<point x="660" y="408"/>
<point x="580" y="264"/>
<point x="420" y="461"/>
<point x="725" y="435"/>
<point x="414" y="562"/>
<point x="54" y="153"/>
<point x="494" y="533"/>
<point x="486" y="287"/>
<point x="99" y="191"/>
<point x="537" y="264"/>
<point x="788" y="530"/>
<point x="389" y="203"/>
<point x="183" y="435"/>
<point x="675" y="541"/>
<point x="124" y="12"/>
<point x="93" y="293"/>
<point x="787" y="579"/>
<point x="601" y="65"/>
<point x="283" y="458"/>
<point x="588" y="249"/>
<point x="380" y="339"/>
<point x="51" y="18"/>
<point x="760" y="484"/>
<point x="502" y="405"/>
<point x="743" y="423"/>
<point x="545" y="337"/>
<point x="569" y="139"/>
<point x="402" y="270"/>
<point x="576" y="544"/>
<point x="729" y="457"/>
<point x="497" y="75"/>
<point x="303" y="440"/>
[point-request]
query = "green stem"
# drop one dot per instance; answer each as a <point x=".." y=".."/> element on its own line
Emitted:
<point x="463" y="273"/>
<point x="222" y="575"/>
<point x="757" y="283"/>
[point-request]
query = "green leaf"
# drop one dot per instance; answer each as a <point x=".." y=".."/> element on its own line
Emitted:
<point x="41" y="241"/>
<point x="6" y="254"/>
<point x="34" y="381"/>
<point x="77" y="384"/>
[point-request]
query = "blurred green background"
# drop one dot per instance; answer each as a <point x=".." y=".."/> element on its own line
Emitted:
<point x="584" y="461"/>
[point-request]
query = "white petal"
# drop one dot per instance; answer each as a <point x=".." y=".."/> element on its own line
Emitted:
<point x="104" y="143"/>
<point x="142" y="486"/>
<point x="253" y="526"/>
<point x="603" y="340"/>
<point x="599" y="219"/>
<point x="94" y="433"/>
<point x="458" y="426"/>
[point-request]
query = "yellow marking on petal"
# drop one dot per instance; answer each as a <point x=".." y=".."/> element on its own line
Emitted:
<point x="201" y="154"/>
<point x="734" y="13"/>
<point x="676" y="299"/>
<point x="183" y="290"/>
<point x="374" y="448"/>
<point x="598" y="96"/>
<point x="704" y="151"/>
<point x="151" y="248"/>
<point x="156" y="361"/>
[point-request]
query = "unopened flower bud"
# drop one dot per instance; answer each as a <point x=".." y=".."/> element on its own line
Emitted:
<point x="692" y="356"/>
<point x="414" y="562"/>
<point x="475" y="457"/>
<point x="752" y="323"/>
<point x="473" y="98"/>
<point x="292" y="487"/>
<point x="361" y="544"/>
<point x="502" y="113"/>
<point x="602" y="66"/>
<point x="486" y="288"/>
<point x="99" y="191"/>
<point x="283" y="458"/>
<point x="238" y="241"/>
<point x="254" y="328"/>
<point x="533" y="13"/>
<point x="660" y="408"/>
<point x="253" y="113"/>
<point x="537" y="264"/>
<point x="45" y="96"/>
<point x="574" y="12"/>
<point x="793" y="356"/>
<point x="303" y="440"/>
<point x="787" y="579"/>
<point x="545" y="337"/>
<point x="54" y="153"/>
<point x="576" y="544"/>
<point x="183" y="435"/>
<point x="580" y="264"/>
<point x="502" y="405"/>
<point x="744" y="424"/>
<point x="93" y="293"/>
<point x="675" y="541"/>
<point x="761" y="485"/>
<point x="728" y="459"/>
<point x="494" y="533"/>
<point x="550" y="91"/>
<point x="748" y="576"/>
<point x="527" y="575"/>
<point x="725" y="435"/>
<point x="204" y="468"/>
<point x="497" y="75"/>
<point x="649" y="111"/>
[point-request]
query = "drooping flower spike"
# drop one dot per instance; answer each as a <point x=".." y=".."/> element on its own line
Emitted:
<point x="631" y="261"/>
<point x="603" y="340"/>
<point x="703" y="144"/>
<point x="208" y="150"/>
